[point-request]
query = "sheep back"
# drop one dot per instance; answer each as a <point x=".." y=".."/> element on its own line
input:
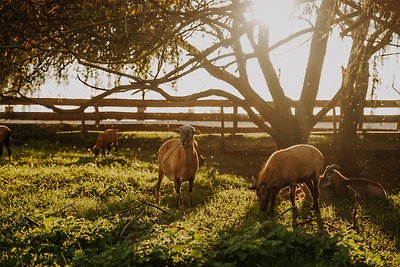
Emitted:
<point x="292" y="165"/>
<point x="106" y="137"/>
<point x="365" y="187"/>
<point x="174" y="160"/>
<point x="4" y="133"/>
<point x="368" y="188"/>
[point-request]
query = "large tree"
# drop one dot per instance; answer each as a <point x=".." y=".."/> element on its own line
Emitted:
<point x="356" y="83"/>
<point x="148" y="44"/>
<point x="370" y="34"/>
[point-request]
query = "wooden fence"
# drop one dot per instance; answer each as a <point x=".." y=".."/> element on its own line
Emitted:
<point x="209" y="116"/>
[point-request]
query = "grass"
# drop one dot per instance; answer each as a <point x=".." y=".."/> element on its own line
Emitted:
<point x="60" y="206"/>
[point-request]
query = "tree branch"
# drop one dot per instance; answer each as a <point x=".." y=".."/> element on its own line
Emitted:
<point x="305" y="108"/>
<point x="217" y="92"/>
<point x="89" y="102"/>
<point x="331" y="104"/>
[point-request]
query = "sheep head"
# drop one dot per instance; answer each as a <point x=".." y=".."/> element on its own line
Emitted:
<point x="264" y="195"/>
<point x="186" y="134"/>
<point x="263" y="192"/>
<point x="327" y="176"/>
<point x="95" y="150"/>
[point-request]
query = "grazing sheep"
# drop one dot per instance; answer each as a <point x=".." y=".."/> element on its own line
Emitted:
<point x="5" y="136"/>
<point x="178" y="160"/>
<point x="287" y="167"/>
<point x="334" y="184"/>
<point x="104" y="142"/>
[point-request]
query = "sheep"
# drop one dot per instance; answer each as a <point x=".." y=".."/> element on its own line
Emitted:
<point x="178" y="159"/>
<point x="104" y="142"/>
<point x="5" y="136"/>
<point x="287" y="167"/>
<point x="333" y="184"/>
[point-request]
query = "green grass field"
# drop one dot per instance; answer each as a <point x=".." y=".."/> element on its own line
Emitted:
<point x="60" y="206"/>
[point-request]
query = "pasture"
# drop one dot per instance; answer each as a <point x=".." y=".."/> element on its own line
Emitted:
<point x="61" y="206"/>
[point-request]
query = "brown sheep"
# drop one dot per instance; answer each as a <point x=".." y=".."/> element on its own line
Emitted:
<point x="5" y="137"/>
<point x="333" y="185"/>
<point x="104" y="142"/>
<point x="178" y="160"/>
<point x="287" y="167"/>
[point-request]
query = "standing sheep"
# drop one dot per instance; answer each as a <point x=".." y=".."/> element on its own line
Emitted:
<point x="178" y="160"/>
<point x="334" y="184"/>
<point x="104" y="142"/>
<point x="5" y="137"/>
<point x="287" y="167"/>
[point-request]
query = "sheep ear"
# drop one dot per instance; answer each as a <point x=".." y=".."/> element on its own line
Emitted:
<point x="197" y="132"/>
<point x="177" y="130"/>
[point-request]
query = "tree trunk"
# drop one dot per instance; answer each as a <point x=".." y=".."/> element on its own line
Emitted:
<point x="293" y="137"/>
<point x="299" y="125"/>
<point x="312" y="78"/>
<point x="355" y="80"/>
<point x="347" y="139"/>
<point x="352" y="110"/>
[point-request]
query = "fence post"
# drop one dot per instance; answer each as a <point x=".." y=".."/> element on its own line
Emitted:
<point x="334" y="118"/>
<point x="398" y="117"/>
<point x="9" y="111"/>
<point x="235" y="119"/>
<point x="97" y="115"/>
<point x="142" y="109"/>
<point x="83" y="128"/>
<point x="222" y="129"/>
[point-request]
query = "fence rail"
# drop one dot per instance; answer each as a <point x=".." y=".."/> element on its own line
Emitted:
<point x="224" y="119"/>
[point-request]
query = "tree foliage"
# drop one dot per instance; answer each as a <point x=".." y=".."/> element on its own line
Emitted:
<point x="146" y="44"/>
<point x="120" y="37"/>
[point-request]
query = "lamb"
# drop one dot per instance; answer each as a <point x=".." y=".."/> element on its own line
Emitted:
<point x="287" y="167"/>
<point x="104" y="142"/>
<point x="334" y="184"/>
<point x="5" y="137"/>
<point x="178" y="159"/>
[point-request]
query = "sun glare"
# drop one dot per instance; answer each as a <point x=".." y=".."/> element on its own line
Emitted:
<point x="272" y="13"/>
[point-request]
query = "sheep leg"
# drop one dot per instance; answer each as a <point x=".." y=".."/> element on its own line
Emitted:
<point x="116" y="148"/>
<point x="1" y="150"/>
<point x="314" y="192"/>
<point x="265" y="197"/>
<point x="292" y="195"/>
<point x="191" y="181"/>
<point x="9" y="151"/>
<point x="7" y="144"/>
<point x="315" y="177"/>
<point x="178" y="192"/>
<point x="274" y="193"/>
<point x="310" y="188"/>
<point x="158" y="186"/>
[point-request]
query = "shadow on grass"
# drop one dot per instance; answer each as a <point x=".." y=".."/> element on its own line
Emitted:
<point x="256" y="241"/>
<point x="268" y="243"/>
<point x="383" y="213"/>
